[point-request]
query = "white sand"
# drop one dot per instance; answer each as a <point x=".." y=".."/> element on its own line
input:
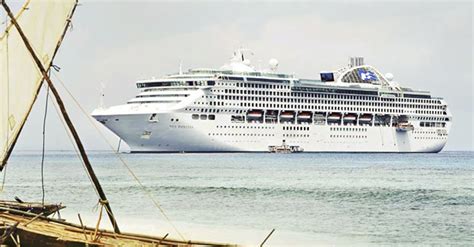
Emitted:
<point x="215" y="233"/>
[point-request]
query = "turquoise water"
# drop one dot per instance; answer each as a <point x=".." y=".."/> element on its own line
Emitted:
<point x="405" y="199"/>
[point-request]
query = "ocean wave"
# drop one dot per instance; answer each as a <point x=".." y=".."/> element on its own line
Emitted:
<point x="383" y="195"/>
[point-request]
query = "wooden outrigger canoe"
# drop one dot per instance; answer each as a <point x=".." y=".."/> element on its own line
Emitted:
<point x="22" y="228"/>
<point x="31" y="207"/>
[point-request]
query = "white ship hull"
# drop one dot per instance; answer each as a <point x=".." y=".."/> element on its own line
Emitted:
<point x="220" y="135"/>
<point x="239" y="109"/>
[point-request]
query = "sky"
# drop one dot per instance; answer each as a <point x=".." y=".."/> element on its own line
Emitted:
<point x="426" y="45"/>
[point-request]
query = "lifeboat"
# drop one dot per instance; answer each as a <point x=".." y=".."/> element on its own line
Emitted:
<point x="304" y="115"/>
<point x="320" y="118"/>
<point x="320" y="115"/>
<point x="271" y="116"/>
<point x="272" y="113"/>
<point x="287" y="115"/>
<point x="403" y="127"/>
<point x="334" y="116"/>
<point x="365" y="118"/>
<point x="255" y="114"/>
<point x="350" y="117"/>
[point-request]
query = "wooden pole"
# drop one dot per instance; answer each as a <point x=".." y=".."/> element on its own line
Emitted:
<point x="82" y="225"/>
<point x="268" y="236"/>
<point x="67" y="119"/>
<point x="159" y="242"/>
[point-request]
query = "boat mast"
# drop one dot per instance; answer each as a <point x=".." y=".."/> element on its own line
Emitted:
<point x="67" y="119"/>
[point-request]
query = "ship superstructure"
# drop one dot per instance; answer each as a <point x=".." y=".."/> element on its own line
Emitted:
<point x="240" y="109"/>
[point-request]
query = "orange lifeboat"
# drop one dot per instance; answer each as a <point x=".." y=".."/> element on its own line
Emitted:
<point x="334" y="116"/>
<point x="287" y="115"/>
<point x="365" y="118"/>
<point x="350" y="117"/>
<point x="255" y="114"/>
<point x="304" y="115"/>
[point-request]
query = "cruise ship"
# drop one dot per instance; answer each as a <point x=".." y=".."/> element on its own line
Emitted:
<point x="238" y="108"/>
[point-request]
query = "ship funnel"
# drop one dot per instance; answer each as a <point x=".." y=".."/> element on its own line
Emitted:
<point x="356" y="61"/>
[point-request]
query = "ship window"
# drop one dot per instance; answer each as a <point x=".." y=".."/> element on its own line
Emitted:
<point x="212" y="117"/>
<point x="195" y="116"/>
<point x="203" y="117"/>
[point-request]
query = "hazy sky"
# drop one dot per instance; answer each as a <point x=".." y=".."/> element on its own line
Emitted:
<point x="425" y="45"/>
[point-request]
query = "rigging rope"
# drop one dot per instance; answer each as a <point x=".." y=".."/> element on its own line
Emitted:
<point x="71" y="139"/>
<point x="142" y="186"/>
<point x="98" y="220"/>
<point x="44" y="144"/>
<point x="4" y="177"/>
<point x="8" y="97"/>
<point x="102" y="204"/>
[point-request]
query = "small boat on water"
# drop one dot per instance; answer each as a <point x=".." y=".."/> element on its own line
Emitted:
<point x="285" y="148"/>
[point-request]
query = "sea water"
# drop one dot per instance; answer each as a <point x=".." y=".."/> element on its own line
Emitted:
<point x="310" y="199"/>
